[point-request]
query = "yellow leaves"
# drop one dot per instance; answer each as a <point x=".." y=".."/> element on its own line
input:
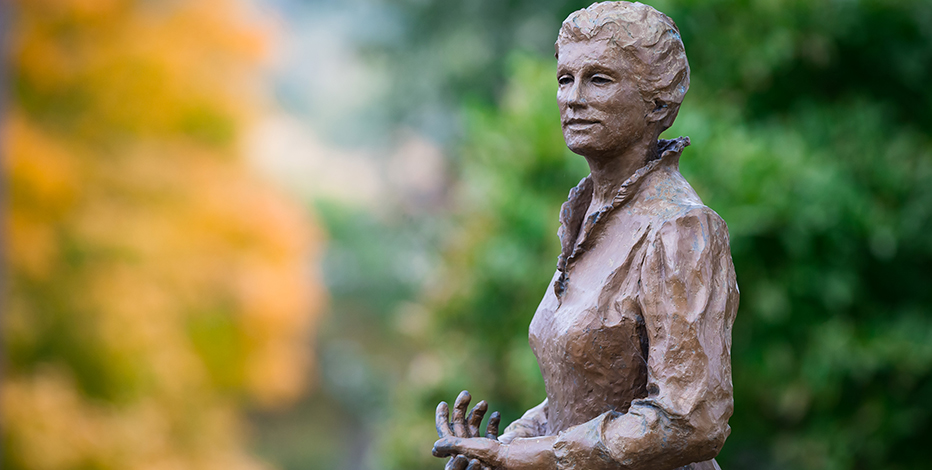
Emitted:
<point x="57" y="428"/>
<point x="77" y="10"/>
<point x="32" y="245"/>
<point x="43" y="61"/>
<point x="167" y="68"/>
<point x="43" y="173"/>
<point x="271" y="374"/>
<point x="43" y="181"/>
<point x="45" y="408"/>
<point x="154" y="281"/>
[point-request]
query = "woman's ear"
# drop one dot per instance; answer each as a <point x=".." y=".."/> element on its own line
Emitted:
<point x="659" y="112"/>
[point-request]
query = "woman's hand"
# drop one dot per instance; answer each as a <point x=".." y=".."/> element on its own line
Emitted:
<point x="465" y="427"/>
<point x="507" y="437"/>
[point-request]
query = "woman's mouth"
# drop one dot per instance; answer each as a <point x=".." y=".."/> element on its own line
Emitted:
<point x="578" y="123"/>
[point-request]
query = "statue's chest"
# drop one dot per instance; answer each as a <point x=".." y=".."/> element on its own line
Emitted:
<point x="578" y="342"/>
<point x="597" y="317"/>
<point x="589" y="365"/>
<point x="591" y="342"/>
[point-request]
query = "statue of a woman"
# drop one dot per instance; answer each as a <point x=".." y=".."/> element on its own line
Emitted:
<point x="633" y="336"/>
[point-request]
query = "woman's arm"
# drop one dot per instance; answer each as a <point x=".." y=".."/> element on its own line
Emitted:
<point x="533" y="453"/>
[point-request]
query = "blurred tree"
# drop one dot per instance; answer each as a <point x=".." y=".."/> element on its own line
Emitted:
<point x="155" y="284"/>
<point x="809" y="123"/>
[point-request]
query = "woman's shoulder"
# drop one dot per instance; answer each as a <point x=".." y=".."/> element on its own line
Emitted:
<point x="689" y="229"/>
<point x="691" y="217"/>
<point x="668" y="197"/>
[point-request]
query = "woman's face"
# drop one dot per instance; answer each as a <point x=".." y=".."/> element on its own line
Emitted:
<point x="601" y="109"/>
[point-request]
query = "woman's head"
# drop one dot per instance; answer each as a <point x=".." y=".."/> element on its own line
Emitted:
<point x="648" y="41"/>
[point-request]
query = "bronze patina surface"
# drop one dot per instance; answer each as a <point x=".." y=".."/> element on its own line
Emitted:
<point x="633" y="337"/>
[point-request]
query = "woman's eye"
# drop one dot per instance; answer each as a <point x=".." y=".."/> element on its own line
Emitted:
<point x="565" y="80"/>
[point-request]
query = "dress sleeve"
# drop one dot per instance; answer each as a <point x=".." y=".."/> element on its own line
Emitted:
<point x="532" y="424"/>
<point x="688" y="297"/>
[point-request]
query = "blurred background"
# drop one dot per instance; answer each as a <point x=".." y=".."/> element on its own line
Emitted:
<point x="273" y="234"/>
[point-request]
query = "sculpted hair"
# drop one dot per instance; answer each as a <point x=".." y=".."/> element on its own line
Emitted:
<point x="647" y="36"/>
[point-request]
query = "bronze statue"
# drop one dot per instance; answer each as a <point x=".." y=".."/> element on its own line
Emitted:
<point x="633" y="336"/>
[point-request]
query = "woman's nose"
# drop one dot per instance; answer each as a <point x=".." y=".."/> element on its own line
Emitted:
<point x="575" y="96"/>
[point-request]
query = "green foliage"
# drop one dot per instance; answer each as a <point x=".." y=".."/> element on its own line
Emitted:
<point x="808" y="127"/>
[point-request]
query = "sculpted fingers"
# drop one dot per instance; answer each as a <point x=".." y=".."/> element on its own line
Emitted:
<point x="491" y="430"/>
<point x="475" y="418"/>
<point x="456" y="463"/>
<point x="443" y="420"/>
<point x="459" y="414"/>
<point x="474" y="464"/>
<point x="445" y="447"/>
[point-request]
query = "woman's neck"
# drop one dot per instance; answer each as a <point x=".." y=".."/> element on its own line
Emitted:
<point x="609" y="172"/>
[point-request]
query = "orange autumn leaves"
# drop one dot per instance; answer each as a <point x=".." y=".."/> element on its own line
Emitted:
<point x="155" y="285"/>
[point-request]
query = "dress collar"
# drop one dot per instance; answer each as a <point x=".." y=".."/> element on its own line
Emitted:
<point x="574" y="209"/>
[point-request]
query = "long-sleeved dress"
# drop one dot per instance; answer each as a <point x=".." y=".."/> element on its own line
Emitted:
<point x="633" y="337"/>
